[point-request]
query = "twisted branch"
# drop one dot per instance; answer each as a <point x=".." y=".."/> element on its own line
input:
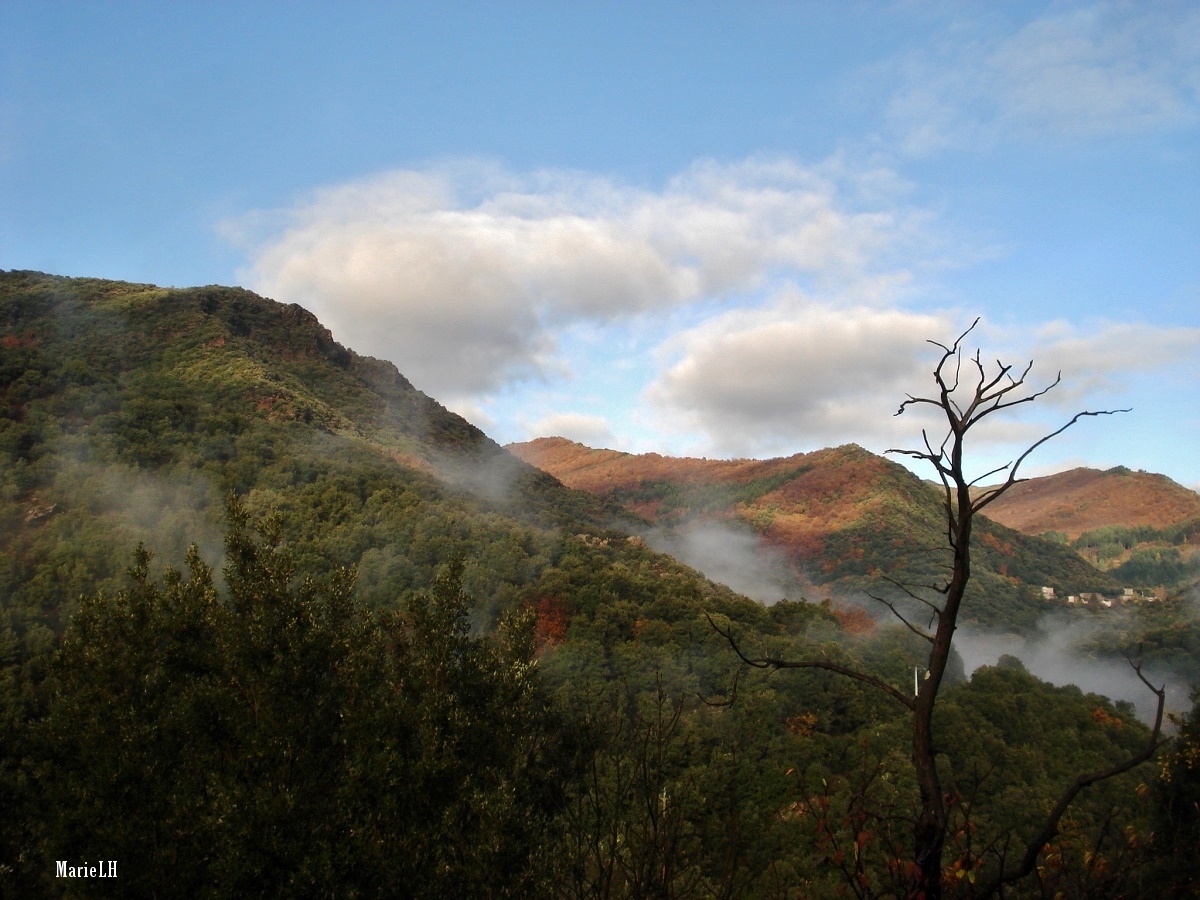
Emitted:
<point x="769" y="662"/>
<point x="1049" y="829"/>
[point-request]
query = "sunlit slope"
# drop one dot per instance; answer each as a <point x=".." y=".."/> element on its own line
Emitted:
<point x="1142" y="527"/>
<point x="843" y="516"/>
<point x="156" y="375"/>
<point x="128" y="412"/>
<point x="1082" y="500"/>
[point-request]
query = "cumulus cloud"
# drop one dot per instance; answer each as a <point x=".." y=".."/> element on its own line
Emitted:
<point x="1103" y="360"/>
<point x="785" y="285"/>
<point x="799" y="373"/>
<point x="462" y="274"/>
<point x="1088" y="71"/>
<point x="796" y="374"/>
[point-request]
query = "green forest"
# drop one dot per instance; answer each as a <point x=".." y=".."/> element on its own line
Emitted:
<point x="274" y="623"/>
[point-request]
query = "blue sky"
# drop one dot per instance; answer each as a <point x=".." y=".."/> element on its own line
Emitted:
<point x="690" y="228"/>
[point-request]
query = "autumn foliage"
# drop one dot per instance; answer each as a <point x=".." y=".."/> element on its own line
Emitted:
<point x="550" y="627"/>
<point x="854" y="620"/>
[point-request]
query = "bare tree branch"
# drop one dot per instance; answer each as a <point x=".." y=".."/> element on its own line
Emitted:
<point x="767" y="662"/>
<point x="937" y="610"/>
<point x="975" y="481"/>
<point x="732" y="694"/>
<point x="1012" y="479"/>
<point x="1049" y="829"/>
<point x="980" y="397"/>
<point x="907" y="624"/>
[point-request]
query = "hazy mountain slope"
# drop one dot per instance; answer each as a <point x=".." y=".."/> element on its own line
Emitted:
<point x="841" y="516"/>
<point x="1082" y="500"/>
<point x="128" y="412"/>
<point x="74" y="340"/>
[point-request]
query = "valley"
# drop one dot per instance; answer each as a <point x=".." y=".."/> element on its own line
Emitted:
<point x="264" y="600"/>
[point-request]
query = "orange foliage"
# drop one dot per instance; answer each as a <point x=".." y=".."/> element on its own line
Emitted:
<point x="990" y="540"/>
<point x="854" y="620"/>
<point x="551" y="625"/>
<point x="1082" y="499"/>
<point x="1100" y="717"/>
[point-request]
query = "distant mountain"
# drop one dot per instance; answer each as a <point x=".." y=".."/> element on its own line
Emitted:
<point x="1141" y="527"/>
<point x="840" y="518"/>
<point x="1080" y="500"/>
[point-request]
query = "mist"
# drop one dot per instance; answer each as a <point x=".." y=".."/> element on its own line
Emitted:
<point x="735" y="557"/>
<point x="168" y="509"/>
<point x="1053" y="655"/>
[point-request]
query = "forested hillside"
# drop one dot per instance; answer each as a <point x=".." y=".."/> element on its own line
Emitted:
<point x="1142" y="528"/>
<point x="841" y="517"/>
<point x="399" y="662"/>
<point x="129" y="412"/>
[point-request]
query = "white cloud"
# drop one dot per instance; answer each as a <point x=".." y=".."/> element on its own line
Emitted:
<point x="1100" y="70"/>
<point x="1086" y="71"/>
<point x="797" y="375"/>
<point x="474" y="413"/>
<point x="462" y="275"/>
<point x="594" y="431"/>
<point x="788" y="280"/>
<point x="1104" y="361"/>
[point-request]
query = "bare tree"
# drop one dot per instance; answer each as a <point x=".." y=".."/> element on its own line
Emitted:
<point x="966" y="395"/>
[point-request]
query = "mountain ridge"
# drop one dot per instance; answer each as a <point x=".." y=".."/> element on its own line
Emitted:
<point x="220" y="387"/>
<point x="1083" y="499"/>
<point x="842" y="516"/>
<point x="129" y="412"/>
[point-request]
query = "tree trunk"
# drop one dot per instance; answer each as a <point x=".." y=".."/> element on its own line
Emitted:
<point x="989" y="394"/>
<point x="930" y="833"/>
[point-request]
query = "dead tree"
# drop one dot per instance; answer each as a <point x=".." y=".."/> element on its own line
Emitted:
<point x="966" y="395"/>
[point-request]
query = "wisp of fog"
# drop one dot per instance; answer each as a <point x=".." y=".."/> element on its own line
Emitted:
<point x="1053" y="655"/>
<point x="735" y="557"/>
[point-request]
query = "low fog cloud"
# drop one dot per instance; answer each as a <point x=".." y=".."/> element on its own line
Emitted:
<point x="167" y="510"/>
<point x="1052" y="655"/>
<point x="729" y="555"/>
